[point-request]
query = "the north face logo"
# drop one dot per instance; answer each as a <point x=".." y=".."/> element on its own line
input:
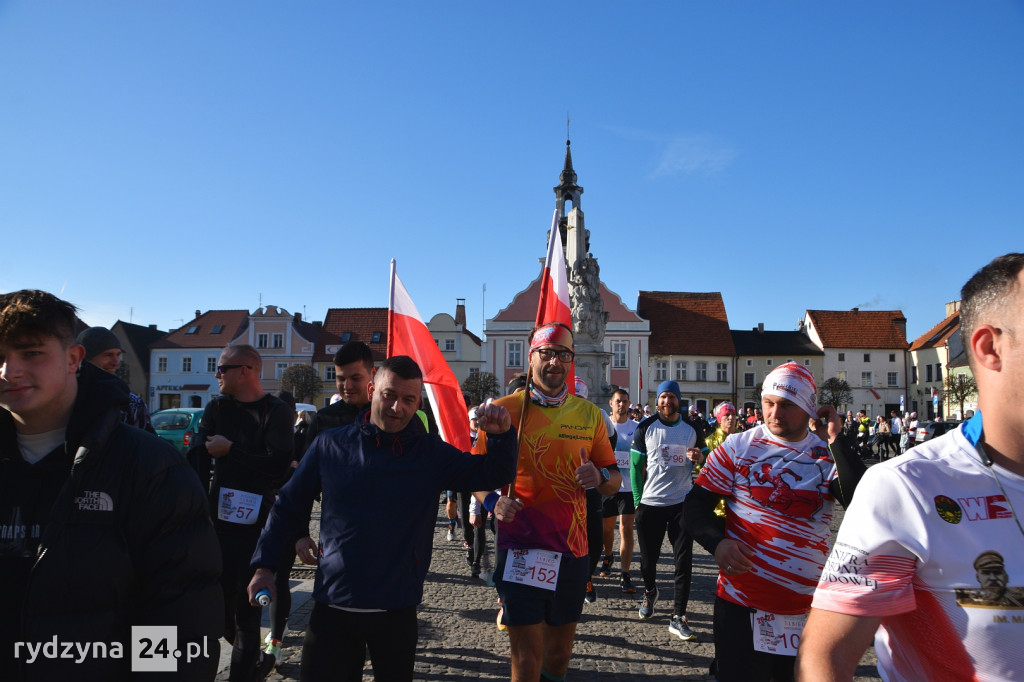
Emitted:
<point x="94" y="501"/>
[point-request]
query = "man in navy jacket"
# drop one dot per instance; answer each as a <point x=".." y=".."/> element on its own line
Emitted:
<point x="380" y="478"/>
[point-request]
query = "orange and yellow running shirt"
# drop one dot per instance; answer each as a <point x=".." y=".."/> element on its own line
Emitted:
<point x="554" y="514"/>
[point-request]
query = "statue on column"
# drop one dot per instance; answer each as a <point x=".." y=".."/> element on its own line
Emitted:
<point x="589" y="318"/>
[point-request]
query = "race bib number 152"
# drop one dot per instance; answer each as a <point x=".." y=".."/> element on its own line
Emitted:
<point x="537" y="567"/>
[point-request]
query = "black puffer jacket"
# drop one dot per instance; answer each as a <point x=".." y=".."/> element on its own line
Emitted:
<point x="116" y="534"/>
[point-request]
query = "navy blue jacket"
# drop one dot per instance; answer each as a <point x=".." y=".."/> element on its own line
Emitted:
<point x="379" y="508"/>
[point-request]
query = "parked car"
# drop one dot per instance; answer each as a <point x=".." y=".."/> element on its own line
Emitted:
<point x="299" y="407"/>
<point x="929" y="430"/>
<point x="177" y="425"/>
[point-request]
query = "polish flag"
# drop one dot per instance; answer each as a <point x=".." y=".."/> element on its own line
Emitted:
<point x="553" y="305"/>
<point x="407" y="335"/>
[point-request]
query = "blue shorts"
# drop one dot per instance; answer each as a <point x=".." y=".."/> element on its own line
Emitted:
<point x="529" y="605"/>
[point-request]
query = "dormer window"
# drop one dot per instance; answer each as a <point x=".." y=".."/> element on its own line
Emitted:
<point x="194" y="329"/>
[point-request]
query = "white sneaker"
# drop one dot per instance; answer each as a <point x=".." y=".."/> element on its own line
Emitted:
<point x="680" y="627"/>
<point x="451" y="534"/>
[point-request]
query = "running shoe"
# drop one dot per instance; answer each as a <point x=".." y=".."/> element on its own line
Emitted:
<point x="626" y="584"/>
<point x="591" y="593"/>
<point x="264" y="667"/>
<point x="647" y="604"/>
<point x="501" y="626"/>
<point x="606" y="567"/>
<point x="680" y="627"/>
<point x="451" y="533"/>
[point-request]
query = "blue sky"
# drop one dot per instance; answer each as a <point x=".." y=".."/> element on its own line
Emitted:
<point x="158" y="157"/>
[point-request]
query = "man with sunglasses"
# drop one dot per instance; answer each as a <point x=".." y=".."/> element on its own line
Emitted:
<point x="543" y="556"/>
<point x="242" y="453"/>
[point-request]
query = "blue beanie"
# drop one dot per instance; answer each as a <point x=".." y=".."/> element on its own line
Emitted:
<point x="669" y="387"/>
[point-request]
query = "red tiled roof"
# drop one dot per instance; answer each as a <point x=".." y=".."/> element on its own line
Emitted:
<point x="361" y="323"/>
<point x="231" y="323"/>
<point x="860" y="328"/>
<point x="685" y="323"/>
<point x="939" y="334"/>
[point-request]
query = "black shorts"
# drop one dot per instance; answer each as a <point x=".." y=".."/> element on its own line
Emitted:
<point x="619" y="504"/>
<point x="529" y="605"/>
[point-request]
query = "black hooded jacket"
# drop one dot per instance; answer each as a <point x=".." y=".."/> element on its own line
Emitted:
<point x="108" y="531"/>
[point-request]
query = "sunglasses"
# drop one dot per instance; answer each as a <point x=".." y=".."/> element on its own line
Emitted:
<point x="222" y="369"/>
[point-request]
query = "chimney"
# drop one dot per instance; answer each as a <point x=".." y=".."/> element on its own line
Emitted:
<point x="760" y="327"/>
<point x="856" y="310"/>
<point x="297" y="317"/>
<point x="152" y="326"/>
<point x="952" y="307"/>
<point x="460" y="312"/>
<point x="198" y="314"/>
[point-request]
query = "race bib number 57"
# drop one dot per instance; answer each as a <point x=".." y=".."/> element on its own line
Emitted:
<point x="537" y="567"/>
<point x="238" y="506"/>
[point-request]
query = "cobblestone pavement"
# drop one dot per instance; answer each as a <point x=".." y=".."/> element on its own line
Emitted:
<point x="458" y="639"/>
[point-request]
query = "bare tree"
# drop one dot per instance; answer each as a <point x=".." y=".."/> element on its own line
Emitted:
<point x="303" y="382"/>
<point x="959" y="388"/>
<point x="835" y="392"/>
<point x="479" y="386"/>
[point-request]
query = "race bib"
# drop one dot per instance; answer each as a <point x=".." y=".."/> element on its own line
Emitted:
<point x="673" y="456"/>
<point x="777" y="634"/>
<point x="537" y="567"/>
<point x="622" y="459"/>
<point x="238" y="506"/>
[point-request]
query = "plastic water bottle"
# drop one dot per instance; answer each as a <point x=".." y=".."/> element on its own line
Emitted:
<point x="263" y="597"/>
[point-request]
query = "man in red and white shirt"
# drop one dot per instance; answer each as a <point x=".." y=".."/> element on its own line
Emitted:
<point x="779" y="481"/>
<point x="930" y="557"/>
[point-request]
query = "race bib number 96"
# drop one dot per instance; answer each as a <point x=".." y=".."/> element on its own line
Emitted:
<point x="537" y="567"/>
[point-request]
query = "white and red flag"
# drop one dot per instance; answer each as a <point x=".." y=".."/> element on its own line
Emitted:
<point x="408" y="335"/>
<point x="553" y="305"/>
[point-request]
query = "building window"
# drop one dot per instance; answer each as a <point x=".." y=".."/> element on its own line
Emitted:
<point x="748" y="380"/>
<point x="474" y="370"/>
<point x="807" y="362"/>
<point x="892" y="379"/>
<point x="261" y="340"/>
<point x="217" y="329"/>
<point x="329" y="373"/>
<point x="346" y="337"/>
<point x="867" y="357"/>
<point x="514" y="354"/>
<point x="701" y="370"/>
<point x="768" y="362"/>
<point x="619" y="353"/>
<point x="211" y="365"/>
<point x="375" y="337"/>
<point x="892" y="357"/>
<point x="865" y="379"/>
<point x="750" y="363"/>
<point x="913" y="374"/>
<point x="842" y="357"/>
<point x="681" y="371"/>
<point x="660" y="370"/>
<point x="449" y="344"/>
<point x="279" y="369"/>
<point x="938" y="371"/>
<point x="841" y="375"/>
<point x="194" y="329"/>
<point x="928" y="372"/>
<point x="721" y="371"/>
<point x="161" y="364"/>
<point x="186" y="364"/>
<point x="278" y="340"/>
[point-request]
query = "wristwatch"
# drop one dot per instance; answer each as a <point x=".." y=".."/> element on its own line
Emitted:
<point x="604" y="475"/>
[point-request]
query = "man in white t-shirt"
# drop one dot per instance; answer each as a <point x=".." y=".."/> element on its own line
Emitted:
<point x="620" y="505"/>
<point x="929" y="561"/>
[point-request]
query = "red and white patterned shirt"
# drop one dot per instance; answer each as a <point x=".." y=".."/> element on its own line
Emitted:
<point x="777" y="503"/>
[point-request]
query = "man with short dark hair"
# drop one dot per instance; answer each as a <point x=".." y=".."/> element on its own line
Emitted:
<point x="103" y="526"/>
<point x="242" y="453"/>
<point x="103" y="349"/>
<point x="543" y="557"/>
<point x="662" y="457"/>
<point x="934" y="541"/>
<point x="375" y="556"/>
<point x="620" y="505"/>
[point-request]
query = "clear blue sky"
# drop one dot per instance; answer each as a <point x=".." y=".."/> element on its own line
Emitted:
<point x="157" y="157"/>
